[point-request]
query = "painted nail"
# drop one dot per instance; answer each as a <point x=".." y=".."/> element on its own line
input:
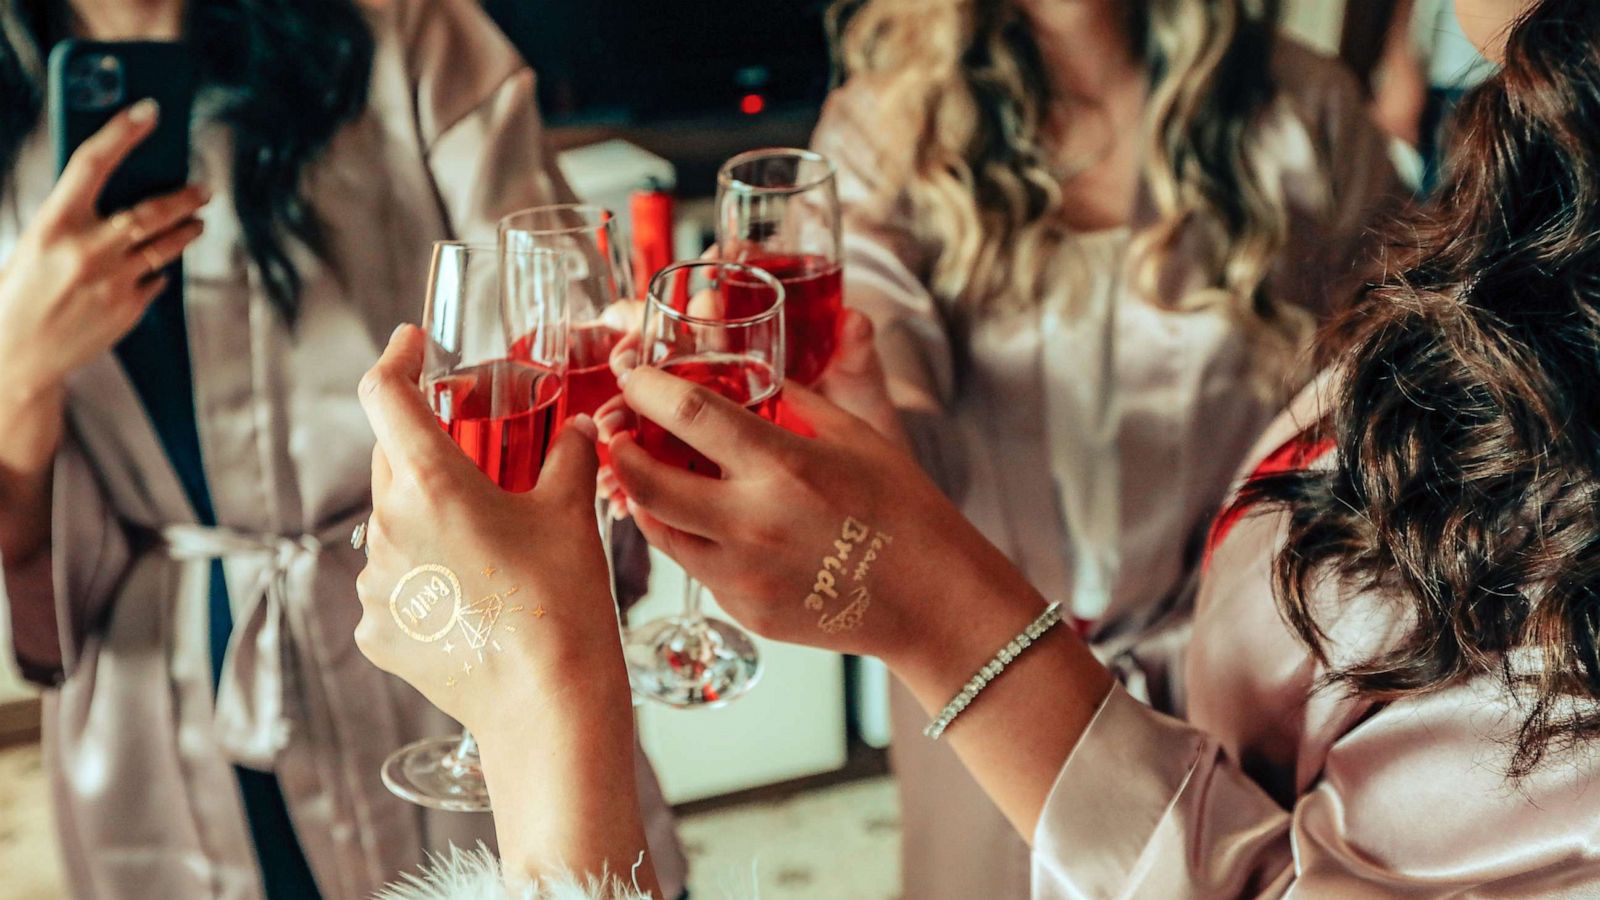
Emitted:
<point x="144" y="112"/>
<point x="610" y="422"/>
<point x="585" y="426"/>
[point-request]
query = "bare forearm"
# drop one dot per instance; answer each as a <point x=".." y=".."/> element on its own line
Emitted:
<point x="561" y="775"/>
<point x="27" y="451"/>
<point x="1017" y="735"/>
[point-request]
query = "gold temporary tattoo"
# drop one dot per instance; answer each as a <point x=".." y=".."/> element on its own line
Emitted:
<point x="828" y="586"/>
<point x="425" y="603"/>
<point x="427" y="606"/>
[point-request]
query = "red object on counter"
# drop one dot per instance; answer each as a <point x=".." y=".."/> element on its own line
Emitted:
<point x="652" y="234"/>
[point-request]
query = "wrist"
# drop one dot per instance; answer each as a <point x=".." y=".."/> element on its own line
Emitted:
<point x="560" y="771"/>
<point x="25" y="393"/>
<point x="957" y="623"/>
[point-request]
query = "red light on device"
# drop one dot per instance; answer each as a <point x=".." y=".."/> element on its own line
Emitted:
<point x="752" y="104"/>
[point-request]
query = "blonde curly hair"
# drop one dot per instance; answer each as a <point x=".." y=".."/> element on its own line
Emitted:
<point x="966" y="81"/>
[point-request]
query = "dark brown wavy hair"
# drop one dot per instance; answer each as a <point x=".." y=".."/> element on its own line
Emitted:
<point x="293" y="73"/>
<point x="1467" y="412"/>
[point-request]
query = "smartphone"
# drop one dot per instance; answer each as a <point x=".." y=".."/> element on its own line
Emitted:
<point x="88" y="84"/>
<point x="91" y="81"/>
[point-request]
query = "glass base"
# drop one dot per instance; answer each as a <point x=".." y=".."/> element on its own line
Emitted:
<point x="686" y="663"/>
<point x="434" y="774"/>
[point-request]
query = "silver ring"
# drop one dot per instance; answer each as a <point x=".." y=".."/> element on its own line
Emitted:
<point x="358" y="538"/>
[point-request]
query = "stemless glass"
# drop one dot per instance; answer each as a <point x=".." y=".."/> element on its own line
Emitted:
<point x="691" y="330"/>
<point x="778" y="209"/>
<point x="495" y="374"/>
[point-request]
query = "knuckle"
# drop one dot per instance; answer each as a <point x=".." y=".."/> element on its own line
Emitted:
<point x="372" y="383"/>
<point x="691" y="407"/>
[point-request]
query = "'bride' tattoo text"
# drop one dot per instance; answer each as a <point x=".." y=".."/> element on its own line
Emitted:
<point x="842" y="577"/>
<point x="428" y="607"/>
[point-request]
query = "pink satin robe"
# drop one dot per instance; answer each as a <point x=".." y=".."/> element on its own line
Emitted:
<point x="140" y="753"/>
<point x="1275" y="789"/>
<point x="1092" y="425"/>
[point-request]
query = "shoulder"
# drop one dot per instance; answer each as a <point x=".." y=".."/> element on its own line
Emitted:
<point x="1310" y="79"/>
<point x="438" y="31"/>
<point x="445" y="57"/>
<point x="861" y="130"/>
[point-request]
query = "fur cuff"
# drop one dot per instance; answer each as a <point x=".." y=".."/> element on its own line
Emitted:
<point x="475" y="875"/>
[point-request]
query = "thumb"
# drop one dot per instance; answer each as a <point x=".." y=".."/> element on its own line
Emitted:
<point x="571" y="466"/>
<point x="854" y="379"/>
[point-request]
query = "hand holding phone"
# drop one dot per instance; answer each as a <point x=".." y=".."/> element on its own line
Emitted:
<point x="78" y="281"/>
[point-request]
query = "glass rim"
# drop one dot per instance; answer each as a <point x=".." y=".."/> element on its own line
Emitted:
<point x="652" y="296"/>
<point x="602" y="216"/>
<point x="479" y="247"/>
<point x="726" y="181"/>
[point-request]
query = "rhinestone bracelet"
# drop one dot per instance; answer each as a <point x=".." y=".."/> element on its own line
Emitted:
<point x="1047" y="620"/>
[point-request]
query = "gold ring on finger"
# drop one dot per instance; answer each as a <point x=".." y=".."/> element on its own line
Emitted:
<point x="152" y="260"/>
<point x="127" y="224"/>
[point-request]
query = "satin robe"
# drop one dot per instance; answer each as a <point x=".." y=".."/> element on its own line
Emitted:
<point x="1276" y="789"/>
<point x="140" y="751"/>
<point x="1091" y="434"/>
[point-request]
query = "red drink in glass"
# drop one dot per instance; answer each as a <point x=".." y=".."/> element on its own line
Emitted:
<point x="590" y="382"/>
<point x="503" y="415"/>
<point x="747" y="382"/>
<point x="813" y="301"/>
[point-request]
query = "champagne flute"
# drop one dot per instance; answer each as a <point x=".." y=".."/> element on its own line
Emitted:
<point x="495" y="374"/>
<point x="598" y="279"/>
<point x="692" y="660"/>
<point x="778" y="210"/>
<point x="599" y="289"/>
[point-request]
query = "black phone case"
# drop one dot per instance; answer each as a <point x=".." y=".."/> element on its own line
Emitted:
<point x="163" y="71"/>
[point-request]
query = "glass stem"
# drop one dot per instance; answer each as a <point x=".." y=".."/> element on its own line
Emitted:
<point x="693" y="594"/>
<point x="602" y="512"/>
<point x="465" y="757"/>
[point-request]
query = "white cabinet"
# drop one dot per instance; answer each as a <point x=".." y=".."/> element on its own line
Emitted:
<point x="791" y="724"/>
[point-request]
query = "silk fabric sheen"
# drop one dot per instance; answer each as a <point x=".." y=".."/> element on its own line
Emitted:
<point x="140" y="753"/>
<point x="1091" y="435"/>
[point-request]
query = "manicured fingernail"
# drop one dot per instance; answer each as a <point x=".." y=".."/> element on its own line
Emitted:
<point x="144" y="112"/>
<point x="623" y="378"/>
<point x="585" y="426"/>
<point x="624" y="362"/>
<point x="397" y="329"/>
<point x="611" y="422"/>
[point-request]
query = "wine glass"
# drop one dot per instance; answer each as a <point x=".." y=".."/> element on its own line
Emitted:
<point x="599" y="286"/>
<point x="598" y="278"/>
<point x="691" y="331"/>
<point x="495" y="375"/>
<point x="778" y="210"/>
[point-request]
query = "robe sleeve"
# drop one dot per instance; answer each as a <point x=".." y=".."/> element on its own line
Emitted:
<point x="885" y="267"/>
<point x="477" y="118"/>
<point x="1411" y="801"/>
<point x="884" y="264"/>
<point x="1336" y="252"/>
<point x="54" y="601"/>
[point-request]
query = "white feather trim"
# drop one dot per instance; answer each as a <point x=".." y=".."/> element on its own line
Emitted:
<point x="475" y="875"/>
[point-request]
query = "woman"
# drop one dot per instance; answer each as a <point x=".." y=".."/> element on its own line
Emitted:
<point x="1095" y="238"/>
<point x="177" y="485"/>
<point x="1392" y="689"/>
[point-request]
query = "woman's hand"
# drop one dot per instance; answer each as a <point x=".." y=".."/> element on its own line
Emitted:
<point x="854" y="381"/>
<point x="76" y="283"/>
<point x="497" y="607"/>
<point x="837" y="541"/>
<point x="474" y="595"/>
